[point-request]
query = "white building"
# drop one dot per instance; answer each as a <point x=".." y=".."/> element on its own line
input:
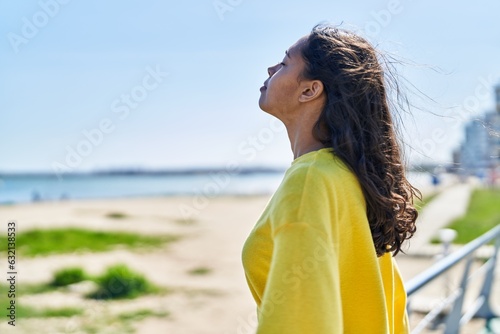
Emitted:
<point x="479" y="154"/>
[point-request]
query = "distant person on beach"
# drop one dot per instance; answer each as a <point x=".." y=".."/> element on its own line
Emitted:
<point x="320" y="258"/>
<point x="435" y="180"/>
<point x="35" y="196"/>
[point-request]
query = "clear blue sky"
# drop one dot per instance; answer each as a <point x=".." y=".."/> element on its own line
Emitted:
<point x="69" y="66"/>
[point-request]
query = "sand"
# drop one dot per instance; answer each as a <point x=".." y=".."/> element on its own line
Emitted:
<point x="217" y="302"/>
<point x="212" y="237"/>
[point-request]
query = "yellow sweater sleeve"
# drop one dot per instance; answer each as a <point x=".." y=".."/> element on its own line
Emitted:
<point x="302" y="294"/>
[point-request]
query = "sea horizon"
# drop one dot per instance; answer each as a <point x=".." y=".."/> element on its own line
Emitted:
<point x="209" y="182"/>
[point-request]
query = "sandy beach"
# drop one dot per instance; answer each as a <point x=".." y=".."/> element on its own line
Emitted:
<point x="216" y="302"/>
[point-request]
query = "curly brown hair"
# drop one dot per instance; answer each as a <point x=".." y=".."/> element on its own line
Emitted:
<point x="356" y="122"/>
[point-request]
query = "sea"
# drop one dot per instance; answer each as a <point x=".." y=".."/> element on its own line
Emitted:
<point x="24" y="188"/>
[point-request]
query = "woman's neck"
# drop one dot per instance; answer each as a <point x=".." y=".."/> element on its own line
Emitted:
<point x="301" y="137"/>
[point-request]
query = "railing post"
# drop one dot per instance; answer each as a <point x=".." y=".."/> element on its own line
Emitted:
<point x="486" y="311"/>
<point x="452" y="325"/>
<point x="446" y="236"/>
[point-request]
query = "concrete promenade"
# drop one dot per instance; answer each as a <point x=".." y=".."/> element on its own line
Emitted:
<point x="448" y="205"/>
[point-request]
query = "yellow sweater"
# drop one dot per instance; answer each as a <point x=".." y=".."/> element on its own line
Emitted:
<point x="310" y="261"/>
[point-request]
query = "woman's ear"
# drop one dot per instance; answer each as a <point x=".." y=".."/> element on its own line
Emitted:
<point x="313" y="90"/>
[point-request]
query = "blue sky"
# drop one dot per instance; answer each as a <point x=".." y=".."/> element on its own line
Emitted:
<point x="168" y="84"/>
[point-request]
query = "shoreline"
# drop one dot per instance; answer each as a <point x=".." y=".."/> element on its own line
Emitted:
<point x="35" y="189"/>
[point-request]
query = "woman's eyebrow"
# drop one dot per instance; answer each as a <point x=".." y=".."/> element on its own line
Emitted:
<point x="287" y="53"/>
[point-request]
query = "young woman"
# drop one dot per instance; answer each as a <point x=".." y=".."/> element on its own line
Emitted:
<point x="320" y="258"/>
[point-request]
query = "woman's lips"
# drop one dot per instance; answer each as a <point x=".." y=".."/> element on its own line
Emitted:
<point x="263" y="88"/>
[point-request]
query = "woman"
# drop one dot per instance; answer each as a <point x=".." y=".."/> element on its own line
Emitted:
<point x="320" y="258"/>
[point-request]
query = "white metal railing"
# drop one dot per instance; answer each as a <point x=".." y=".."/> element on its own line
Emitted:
<point x="481" y="307"/>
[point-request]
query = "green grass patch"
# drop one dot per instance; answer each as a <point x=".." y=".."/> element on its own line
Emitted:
<point x="482" y="215"/>
<point x="116" y="215"/>
<point x="61" y="278"/>
<point x="120" y="282"/>
<point x="67" y="240"/>
<point x="185" y="221"/>
<point x="59" y="312"/>
<point x="26" y="289"/>
<point x="200" y="271"/>
<point x="141" y="314"/>
<point x="33" y="289"/>
<point x="68" y="276"/>
<point x="31" y="312"/>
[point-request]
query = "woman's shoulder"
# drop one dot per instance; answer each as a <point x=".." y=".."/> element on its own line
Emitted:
<point x="316" y="186"/>
<point x="317" y="169"/>
<point x="317" y="177"/>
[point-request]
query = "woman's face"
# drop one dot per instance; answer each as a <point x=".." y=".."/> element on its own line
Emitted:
<point x="280" y="93"/>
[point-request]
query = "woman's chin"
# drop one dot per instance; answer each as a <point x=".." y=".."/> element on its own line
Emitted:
<point x="262" y="104"/>
<point x="266" y="107"/>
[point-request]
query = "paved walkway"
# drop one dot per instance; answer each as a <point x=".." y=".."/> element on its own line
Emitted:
<point x="450" y="204"/>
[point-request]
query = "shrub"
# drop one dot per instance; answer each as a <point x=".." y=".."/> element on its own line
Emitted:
<point x="200" y="271"/>
<point x="116" y="215"/>
<point x="68" y="276"/>
<point x="120" y="282"/>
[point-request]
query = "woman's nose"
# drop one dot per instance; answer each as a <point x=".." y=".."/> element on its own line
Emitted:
<point x="271" y="70"/>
